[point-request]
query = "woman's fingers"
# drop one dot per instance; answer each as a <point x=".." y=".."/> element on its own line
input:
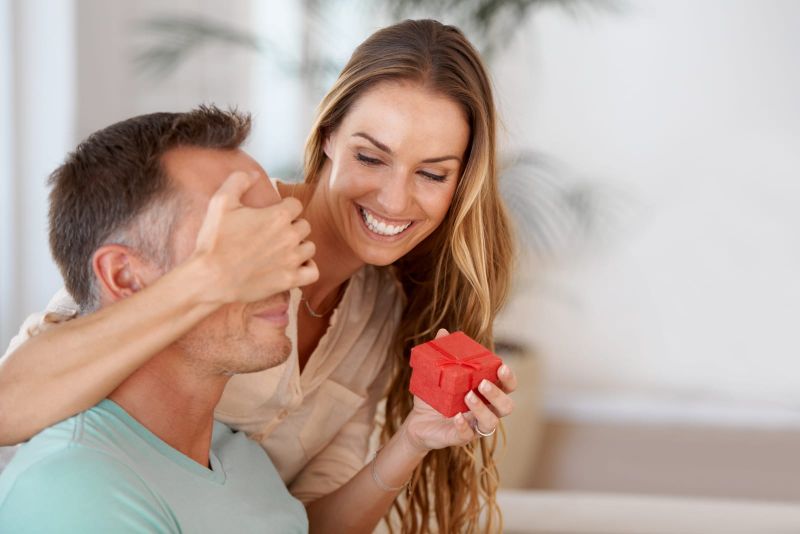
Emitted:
<point x="301" y="228"/>
<point x="501" y="403"/>
<point x="485" y="418"/>
<point x="291" y="206"/>
<point x="463" y="427"/>
<point x="230" y="193"/>
<point x="226" y="198"/>
<point x="253" y="252"/>
<point x="305" y="251"/>
<point x="441" y="333"/>
<point x="508" y="380"/>
<point x="308" y="273"/>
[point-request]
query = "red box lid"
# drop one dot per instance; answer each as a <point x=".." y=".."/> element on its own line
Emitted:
<point x="455" y="363"/>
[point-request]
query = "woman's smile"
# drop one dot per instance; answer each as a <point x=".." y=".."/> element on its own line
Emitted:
<point x="382" y="228"/>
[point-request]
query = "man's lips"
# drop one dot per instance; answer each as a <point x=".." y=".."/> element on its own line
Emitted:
<point x="275" y="314"/>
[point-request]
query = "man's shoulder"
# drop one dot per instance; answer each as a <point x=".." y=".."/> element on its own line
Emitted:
<point x="94" y="429"/>
<point x="70" y="466"/>
<point x="57" y="481"/>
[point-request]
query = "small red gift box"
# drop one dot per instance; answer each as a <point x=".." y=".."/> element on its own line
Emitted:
<point x="445" y="369"/>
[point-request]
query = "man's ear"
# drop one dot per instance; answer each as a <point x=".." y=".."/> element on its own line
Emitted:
<point x="120" y="272"/>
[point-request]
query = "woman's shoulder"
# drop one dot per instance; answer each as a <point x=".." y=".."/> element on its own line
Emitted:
<point x="62" y="307"/>
<point x="62" y="303"/>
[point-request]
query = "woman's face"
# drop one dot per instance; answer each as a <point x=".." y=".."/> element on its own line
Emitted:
<point x="395" y="161"/>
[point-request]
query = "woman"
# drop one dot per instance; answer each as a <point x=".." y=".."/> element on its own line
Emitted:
<point x="411" y="236"/>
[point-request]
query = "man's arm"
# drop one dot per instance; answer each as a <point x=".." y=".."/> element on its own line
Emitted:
<point x="80" y="490"/>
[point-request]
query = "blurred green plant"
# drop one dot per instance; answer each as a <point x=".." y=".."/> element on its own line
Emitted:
<point x="491" y="24"/>
<point x="554" y="211"/>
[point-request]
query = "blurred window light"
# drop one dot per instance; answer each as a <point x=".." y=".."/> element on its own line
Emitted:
<point x="38" y="101"/>
<point x="6" y="170"/>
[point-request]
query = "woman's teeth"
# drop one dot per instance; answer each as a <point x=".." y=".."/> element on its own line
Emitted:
<point x="382" y="228"/>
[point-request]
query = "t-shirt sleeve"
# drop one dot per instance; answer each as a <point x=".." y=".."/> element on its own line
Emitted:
<point x="79" y="490"/>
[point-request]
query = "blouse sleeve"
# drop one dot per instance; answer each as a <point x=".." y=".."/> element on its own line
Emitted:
<point x="62" y="307"/>
<point x="346" y="454"/>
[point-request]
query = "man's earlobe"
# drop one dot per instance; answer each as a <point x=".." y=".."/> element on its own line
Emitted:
<point x="118" y="272"/>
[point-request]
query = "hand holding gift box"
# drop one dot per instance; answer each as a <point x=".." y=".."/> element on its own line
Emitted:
<point x="445" y="369"/>
<point x="439" y="417"/>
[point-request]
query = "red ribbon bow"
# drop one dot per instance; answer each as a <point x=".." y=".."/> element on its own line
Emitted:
<point x="451" y="360"/>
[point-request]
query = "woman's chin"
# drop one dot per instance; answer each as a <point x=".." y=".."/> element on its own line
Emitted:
<point x="380" y="258"/>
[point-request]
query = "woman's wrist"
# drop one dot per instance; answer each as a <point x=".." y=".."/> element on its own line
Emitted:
<point x="397" y="459"/>
<point x="410" y="441"/>
<point x="199" y="283"/>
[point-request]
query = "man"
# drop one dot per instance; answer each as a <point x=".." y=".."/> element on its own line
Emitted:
<point x="133" y="201"/>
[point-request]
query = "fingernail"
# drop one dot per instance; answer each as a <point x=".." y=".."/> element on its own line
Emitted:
<point x="484" y="386"/>
<point x="503" y="371"/>
<point x="472" y="398"/>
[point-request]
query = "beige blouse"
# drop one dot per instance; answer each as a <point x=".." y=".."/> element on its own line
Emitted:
<point x="315" y="425"/>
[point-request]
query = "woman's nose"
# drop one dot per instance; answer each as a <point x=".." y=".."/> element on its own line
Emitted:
<point x="395" y="195"/>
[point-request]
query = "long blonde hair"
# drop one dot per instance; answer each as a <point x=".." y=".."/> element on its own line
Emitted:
<point x="458" y="277"/>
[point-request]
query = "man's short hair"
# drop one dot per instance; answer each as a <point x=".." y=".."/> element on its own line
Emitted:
<point x="114" y="189"/>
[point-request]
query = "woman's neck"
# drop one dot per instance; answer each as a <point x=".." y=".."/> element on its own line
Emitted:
<point x="334" y="257"/>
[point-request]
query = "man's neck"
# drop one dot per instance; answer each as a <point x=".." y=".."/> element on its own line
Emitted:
<point x="175" y="401"/>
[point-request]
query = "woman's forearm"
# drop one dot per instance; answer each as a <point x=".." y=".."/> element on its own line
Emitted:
<point x="362" y="502"/>
<point x="242" y="254"/>
<point x="69" y="368"/>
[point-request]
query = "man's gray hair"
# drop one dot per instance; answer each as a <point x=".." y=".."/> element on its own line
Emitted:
<point x="114" y="189"/>
<point x="149" y="235"/>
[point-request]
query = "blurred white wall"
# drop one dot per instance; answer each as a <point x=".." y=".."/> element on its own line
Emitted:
<point x="112" y="86"/>
<point x="285" y="98"/>
<point x="692" y="108"/>
<point x="7" y="228"/>
<point x="38" y="65"/>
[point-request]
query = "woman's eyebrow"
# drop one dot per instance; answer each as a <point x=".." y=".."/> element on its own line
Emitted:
<point x="442" y="158"/>
<point x="375" y="142"/>
<point x="388" y="150"/>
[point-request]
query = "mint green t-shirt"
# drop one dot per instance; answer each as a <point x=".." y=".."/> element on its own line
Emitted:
<point x="102" y="471"/>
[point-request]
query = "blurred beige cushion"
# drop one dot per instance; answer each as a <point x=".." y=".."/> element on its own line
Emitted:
<point x="551" y="512"/>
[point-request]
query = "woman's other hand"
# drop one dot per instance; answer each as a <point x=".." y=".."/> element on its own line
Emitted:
<point x="427" y="429"/>
<point x="252" y="244"/>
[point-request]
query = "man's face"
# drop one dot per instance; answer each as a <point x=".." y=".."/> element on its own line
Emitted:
<point x="237" y="338"/>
